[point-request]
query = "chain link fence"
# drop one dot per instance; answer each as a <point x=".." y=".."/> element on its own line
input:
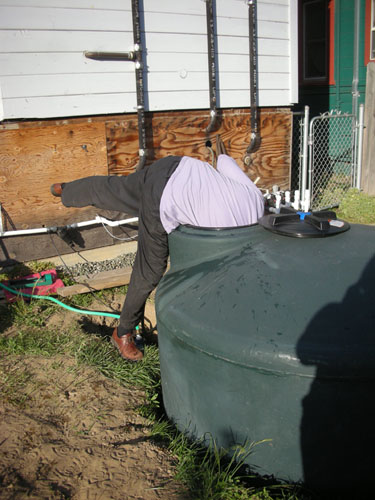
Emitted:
<point x="325" y="168"/>
<point x="331" y="158"/>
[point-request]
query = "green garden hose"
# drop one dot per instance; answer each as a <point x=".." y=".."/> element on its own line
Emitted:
<point x="52" y="299"/>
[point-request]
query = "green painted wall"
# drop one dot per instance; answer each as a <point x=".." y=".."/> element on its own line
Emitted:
<point x="339" y="96"/>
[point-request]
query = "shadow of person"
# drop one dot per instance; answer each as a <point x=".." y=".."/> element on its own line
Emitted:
<point x="338" y="423"/>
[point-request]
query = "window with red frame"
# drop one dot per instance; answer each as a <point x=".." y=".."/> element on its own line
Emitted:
<point x="315" y="41"/>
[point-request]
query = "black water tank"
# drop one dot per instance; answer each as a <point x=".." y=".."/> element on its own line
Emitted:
<point x="268" y="338"/>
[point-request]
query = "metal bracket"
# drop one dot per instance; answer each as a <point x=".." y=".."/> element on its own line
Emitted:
<point x="111" y="56"/>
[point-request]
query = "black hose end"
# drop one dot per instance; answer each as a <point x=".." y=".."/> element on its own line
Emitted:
<point x="208" y="144"/>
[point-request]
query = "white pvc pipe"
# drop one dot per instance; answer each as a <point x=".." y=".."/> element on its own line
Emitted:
<point x="360" y="145"/>
<point x="296" y="203"/>
<point x="305" y="154"/>
<point x="355" y="80"/>
<point x="39" y="230"/>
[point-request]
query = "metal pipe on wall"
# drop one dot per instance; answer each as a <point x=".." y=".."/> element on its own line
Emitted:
<point x="110" y="56"/>
<point x="135" y="56"/>
<point x="137" y="37"/>
<point x="254" y="137"/>
<point x="355" y="92"/>
<point x="360" y="145"/>
<point x="305" y="157"/>
<point x="211" y="64"/>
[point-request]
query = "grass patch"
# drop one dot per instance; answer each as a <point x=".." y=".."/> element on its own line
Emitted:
<point x="202" y="468"/>
<point x="331" y="191"/>
<point x="27" y="314"/>
<point x="212" y="473"/>
<point x="22" y="269"/>
<point x="36" y="339"/>
<point x="357" y="207"/>
<point x="12" y="384"/>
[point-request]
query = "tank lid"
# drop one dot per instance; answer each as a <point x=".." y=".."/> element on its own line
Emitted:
<point x="290" y="222"/>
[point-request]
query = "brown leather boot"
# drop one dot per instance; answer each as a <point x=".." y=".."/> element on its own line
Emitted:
<point x="126" y="346"/>
<point x="56" y="189"/>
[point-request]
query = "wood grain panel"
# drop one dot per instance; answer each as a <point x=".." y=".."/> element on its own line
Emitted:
<point x="31" y="159"/>
<point x="184" y="134"/>
<point x="272" y="160"/>
<point x="35" y="154"/>
<point x="122" y="145"/>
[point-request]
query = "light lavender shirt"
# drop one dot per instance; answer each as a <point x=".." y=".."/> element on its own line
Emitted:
<point x="199" y="195"/>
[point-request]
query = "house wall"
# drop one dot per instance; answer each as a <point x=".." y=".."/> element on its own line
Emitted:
<point x="337" y="95"/>
<point x="35" y="154"/>
<point x="344" y="48"/>
<point x="44" y="73"/>
<point x="65" y="116"/>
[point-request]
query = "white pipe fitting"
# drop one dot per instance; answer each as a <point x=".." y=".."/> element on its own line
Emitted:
<point x="40" y="230"/>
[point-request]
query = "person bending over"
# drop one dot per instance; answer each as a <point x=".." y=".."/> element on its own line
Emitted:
<point x="172" y="191"/>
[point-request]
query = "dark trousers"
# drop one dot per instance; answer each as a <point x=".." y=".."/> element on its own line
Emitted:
<point x="139" y="195"/>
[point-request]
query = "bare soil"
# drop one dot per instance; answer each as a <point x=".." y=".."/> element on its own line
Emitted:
<point x="74" y="434"/>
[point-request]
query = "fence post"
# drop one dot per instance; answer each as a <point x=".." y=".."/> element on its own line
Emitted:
<point x="360" y="145"/>
<point x="305" y="156"/>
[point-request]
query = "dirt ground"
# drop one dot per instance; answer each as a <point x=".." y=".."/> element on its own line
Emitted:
<point x="77" y="435"/>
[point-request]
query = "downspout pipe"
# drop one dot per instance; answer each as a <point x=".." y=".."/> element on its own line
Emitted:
<point x="254" y="136"/>
<point x="355" y="92"/>
<point x="135" y="56"/>
<point x="360" y="145"/>
<point x="211" y="64"/>
<point x="139" y="85"/>
<point x="305" y="158"/>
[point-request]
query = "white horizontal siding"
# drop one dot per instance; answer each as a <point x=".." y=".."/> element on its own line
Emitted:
<point x="43" y="71"/>
<point x="43" y="18"/>
<point x="84" y="4"/>
<point x="26" y="41"/>
<point x="183" y="7"/>
<point x="57" y="63"/>
<point x="95" y="83"/>
<point x="80" y="105"/>
<point x="15" y="87"/>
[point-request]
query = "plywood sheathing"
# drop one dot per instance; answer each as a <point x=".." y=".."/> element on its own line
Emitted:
<point x="35" y="154"/>
<point x="183" y="133"/>
<point x="33" y="158"/>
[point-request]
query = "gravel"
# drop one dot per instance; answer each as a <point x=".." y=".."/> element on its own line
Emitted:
<point x="84" y="268"/>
